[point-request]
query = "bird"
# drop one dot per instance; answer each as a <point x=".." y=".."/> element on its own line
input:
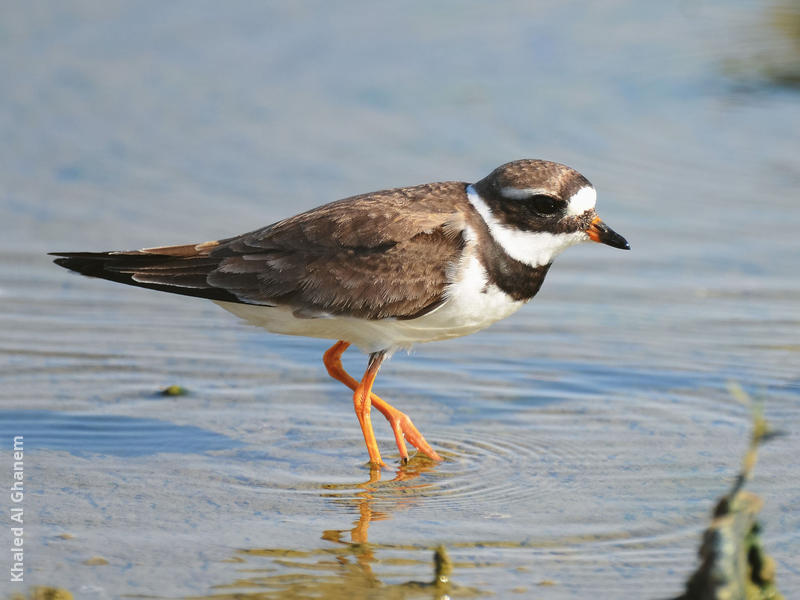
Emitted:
<point x="383" y="271"/>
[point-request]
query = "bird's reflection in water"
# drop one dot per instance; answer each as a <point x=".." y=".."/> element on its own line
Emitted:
<point x="345" y="569"/>
<point x="391" y="495"/>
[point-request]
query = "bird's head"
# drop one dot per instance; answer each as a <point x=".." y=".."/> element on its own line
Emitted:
<point x="535" y="209"/>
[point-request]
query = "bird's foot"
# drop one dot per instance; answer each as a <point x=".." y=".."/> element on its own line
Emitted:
<point x="404" y="430"/>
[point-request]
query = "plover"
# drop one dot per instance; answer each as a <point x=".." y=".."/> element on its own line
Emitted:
<point x="383" y="270"/>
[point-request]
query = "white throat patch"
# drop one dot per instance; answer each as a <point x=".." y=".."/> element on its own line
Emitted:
<point x="534" y="248"/>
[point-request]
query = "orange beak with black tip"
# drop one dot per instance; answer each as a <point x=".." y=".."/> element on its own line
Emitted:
<point x="603" y="234"/>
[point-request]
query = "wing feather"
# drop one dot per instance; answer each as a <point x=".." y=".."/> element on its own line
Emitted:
<point x="375" y="256"/>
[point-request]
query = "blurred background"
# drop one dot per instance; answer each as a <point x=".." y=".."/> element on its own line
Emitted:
<point x="585" y="437"/>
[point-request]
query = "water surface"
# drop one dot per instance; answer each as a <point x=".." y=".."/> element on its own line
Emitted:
<point x="585" y="438"/>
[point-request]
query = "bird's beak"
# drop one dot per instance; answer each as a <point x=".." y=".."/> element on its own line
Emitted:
<point x="602" y="233"/>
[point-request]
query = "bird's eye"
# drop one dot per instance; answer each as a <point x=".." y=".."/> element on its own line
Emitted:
<point x="544" y="205"/>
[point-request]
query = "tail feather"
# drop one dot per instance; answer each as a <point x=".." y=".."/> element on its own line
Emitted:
<point x="175" y="269"/>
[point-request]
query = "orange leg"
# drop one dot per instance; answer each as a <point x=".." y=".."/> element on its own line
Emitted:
<point x="362" y="403"/>
<point x="401" y="425"/>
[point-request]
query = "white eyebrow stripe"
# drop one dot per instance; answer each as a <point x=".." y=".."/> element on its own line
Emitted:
<point x="513" y="193"/>
<point x="582" y="200"/>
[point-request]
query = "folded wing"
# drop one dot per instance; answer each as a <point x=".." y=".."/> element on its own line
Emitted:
<point x="376" y="256"/>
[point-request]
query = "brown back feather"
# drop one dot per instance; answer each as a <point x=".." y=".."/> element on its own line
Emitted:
<point x="373" y="256"/>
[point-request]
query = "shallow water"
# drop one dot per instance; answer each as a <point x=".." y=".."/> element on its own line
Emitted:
<point x="585" y="438"/>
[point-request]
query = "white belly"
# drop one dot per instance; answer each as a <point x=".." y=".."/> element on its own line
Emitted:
<point x="470" y="305"/>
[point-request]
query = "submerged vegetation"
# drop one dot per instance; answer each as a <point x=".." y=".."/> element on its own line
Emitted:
<point x="174" y="390"/>
<point x="733" y="561"/>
